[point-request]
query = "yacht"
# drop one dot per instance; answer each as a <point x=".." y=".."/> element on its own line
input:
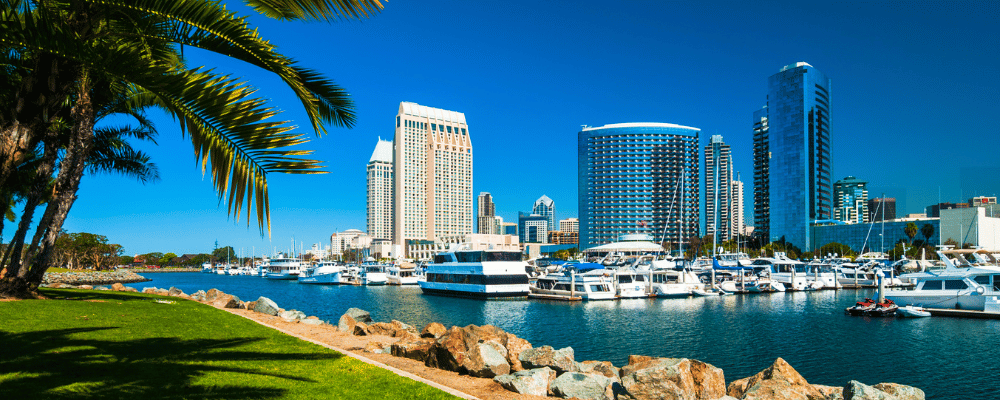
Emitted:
<point x="207" y="268"/>
<point x="476" y="273"/>
<point x="284" y="268"/>
<point x="372" y="273"/>
<point x="794" y="274"/>
<point x="405" y="274"/>
<point x="630" y="283"/>
<point x="588" y="281"/>
<point x="674" y="283"/>
<point x="963" y="284"/>
<point x="324" y="272"/>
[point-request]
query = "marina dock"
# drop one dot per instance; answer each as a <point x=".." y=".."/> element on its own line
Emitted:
<point x="963" y="313"/>
<point x="554" y="297"/>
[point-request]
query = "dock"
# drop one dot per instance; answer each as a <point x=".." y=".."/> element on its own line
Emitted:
<point x="940" y="312"/>
<point x="554" y="297"/>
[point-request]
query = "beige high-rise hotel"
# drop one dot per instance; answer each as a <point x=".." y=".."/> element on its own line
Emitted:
<point x="380" y="194"/>
<point x="433" y="174"/>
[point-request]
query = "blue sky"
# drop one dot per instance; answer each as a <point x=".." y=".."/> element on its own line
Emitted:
<point x="914" y="87"/>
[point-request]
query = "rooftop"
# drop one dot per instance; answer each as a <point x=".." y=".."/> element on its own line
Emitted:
<point x="639" y="125"/>
<point x="383" y="151"/>
<point x="418" y="110"/>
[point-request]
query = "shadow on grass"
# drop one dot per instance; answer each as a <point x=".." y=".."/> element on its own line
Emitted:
<point x="58" y="364"/>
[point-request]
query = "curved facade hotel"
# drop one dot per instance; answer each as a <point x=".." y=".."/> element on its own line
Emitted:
<point x="638" y="178"/>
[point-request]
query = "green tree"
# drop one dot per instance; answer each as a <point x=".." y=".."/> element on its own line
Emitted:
<point x="561" y="254"/>
<point x="927" y="230"/>
<point x="911" y="231"/>
<point x="61" y="58"/>
<point x="165" y="259"/>
<point x="126" y="260"/>
<point x="223" y="254"/>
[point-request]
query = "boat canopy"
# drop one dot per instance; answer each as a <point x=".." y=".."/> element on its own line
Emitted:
<point x="640" y="246"/>
<point x="716" y="265"/>
<point x="584" y="267"/>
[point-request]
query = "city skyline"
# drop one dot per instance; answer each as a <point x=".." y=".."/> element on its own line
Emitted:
<point x="890" y="98"/>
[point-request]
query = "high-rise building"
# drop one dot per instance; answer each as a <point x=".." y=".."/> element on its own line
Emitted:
<point x="486" y="211"/>
<point x="545" y="207"/>
<point x="761" y="185"/>
<point x="534" y="228"/>
<point x="718" y="189"/>
<point x="881" y="209"/>
<point x="508" y="228"/>
<point x="737" y="219"/>
<point x="850" y="200"/>
<point x="569" y="225"/>
<point x="638" y="178"/>
<point x="380" y="193"/>
<point x="433" y="174"/>
<point x="797" y="143"/>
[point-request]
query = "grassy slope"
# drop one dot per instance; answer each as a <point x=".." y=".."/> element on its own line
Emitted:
<point x="125" y="345"/>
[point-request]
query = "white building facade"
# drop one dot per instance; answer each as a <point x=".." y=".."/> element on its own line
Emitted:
<point x="569" y="225"/>
<point x="351" y="239"/>
<point x="469" y="241"/>
<point x="433" y="174"/>
<point x="380" y="193"/>
<point x="737" y="224"/>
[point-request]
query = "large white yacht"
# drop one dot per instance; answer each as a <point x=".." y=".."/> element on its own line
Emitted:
<point x="796" y="275"/>
<point x="284" y="268"/>
<point x="324" y="272"/>
<point x="405" y="274"/>
<point x="675" y="282"/>
<point x="477" y="273"/>
<point x="372" y="273"/>
<point x="588" y="281"/>
<point x="963" y="283"/>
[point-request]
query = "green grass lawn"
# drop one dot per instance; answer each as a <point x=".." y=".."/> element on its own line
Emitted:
<point x="126" y="345"/>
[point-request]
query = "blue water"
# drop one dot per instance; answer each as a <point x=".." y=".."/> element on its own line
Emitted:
<point x="949" y="358"/>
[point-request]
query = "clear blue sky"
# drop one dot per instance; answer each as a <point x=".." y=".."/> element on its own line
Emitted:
<point x="915" y="102"/>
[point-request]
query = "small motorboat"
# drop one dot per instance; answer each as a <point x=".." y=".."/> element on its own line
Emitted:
<point x="912" y="312"/>
<point x="871" y="308"/>
<point x="709" y="292"/>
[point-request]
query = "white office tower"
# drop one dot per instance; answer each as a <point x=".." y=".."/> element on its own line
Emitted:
<point x="380" y="194"/>
<point x="718" y="181"/>
<point x="433" y="174"/>
<point x="737" y="221"/>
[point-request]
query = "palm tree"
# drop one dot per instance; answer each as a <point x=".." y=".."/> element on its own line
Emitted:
<point x="910" y="230"/>
<point x="71" y="54"/>
<point x="927" y="230"/>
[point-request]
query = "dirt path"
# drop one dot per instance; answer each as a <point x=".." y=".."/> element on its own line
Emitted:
<point x="471" y="387"/>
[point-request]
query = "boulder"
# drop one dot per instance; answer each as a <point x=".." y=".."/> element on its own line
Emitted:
<point x="433" y="330"/>
<point x="359" y="315"/>
<point x="292" y="315"/>
<point x="531" y="381"/>
<point x="199" y="295"/>
<point x="162" y="292"/>
<point x="131" y="289"/>
<point x="604" y="368"/>
<point x="375" y="347"/>
<point x="102" y="288"/>
<point x="250" y="305"/>
<point x="381" y="328"/>
<point x="672" y="378"/>
<point x="779" y="381"/>
<point x="515" y="346"/>
<point x="226" y="301"/>
<point x="581" y="386"/>
<point x="615" y="391"/>
<point x="449" y="350"/>
<point x="118" y="287"/>
<point x="86" y="287"/>
<point x="855" y="390"/>
<point x="830" y="392"/>
<point x="175" y="292"/>
<point x="311" y="321"/>
<point x="486" y="360"/>
<point x="346" y="323"/>
<point x="264" y="305"/>
<point x="360" y="329"/>
<point x="414" y="350"/>
<point x="212" y="294"/>
<point x="559" y="360"/>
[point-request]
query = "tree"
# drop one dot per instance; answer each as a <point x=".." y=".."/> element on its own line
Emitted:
<point x="927" y="230"/>
<point x="839" y="249"/>
<point x="561" y="254"/>
<point x="910" y="230"/>
<point x="64" y="57"/>
<point x="166" y="258"/>
<point x="126" y="260"/>
<point x="224" y="254"/>
<point x="152" y="258"/>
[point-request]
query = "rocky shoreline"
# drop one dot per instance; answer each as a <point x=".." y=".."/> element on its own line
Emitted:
<point x="92" y="277"/>
<point x="513" y="363"/>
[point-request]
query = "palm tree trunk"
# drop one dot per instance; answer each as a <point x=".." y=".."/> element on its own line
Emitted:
<point x="12" y="257"/>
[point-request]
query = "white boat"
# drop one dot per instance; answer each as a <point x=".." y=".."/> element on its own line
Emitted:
<point x="963" y="284"/>
<point x="477" y="273"/>
<point x="372" y="274"/>
<point x="710" y="292"/>
<point x="324" y="273"/>
<point x="912" y="312"/>
<point x="207" y="268"/>
<point x="284" y="268"/>
<point x="675" y="282"/>
<point x="794" y="274"/>
<point x="593" y="283"/>
<point x="405" y="274"/>
<point x="630" y="283"/>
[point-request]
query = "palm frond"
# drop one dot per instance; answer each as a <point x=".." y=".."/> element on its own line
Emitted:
<point x="319" y="10"/>
<point x="113" y="154"/>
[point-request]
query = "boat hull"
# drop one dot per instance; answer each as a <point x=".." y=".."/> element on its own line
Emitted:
<point x="325" y="279"/>
<point x="282" y="276"/>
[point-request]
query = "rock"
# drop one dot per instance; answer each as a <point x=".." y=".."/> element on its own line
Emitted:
<point x="86" y="287"/>
<point x="581" y="386"/>
<point x="162" y="292"/>
<point x="559" y="360"/>
<point x="199" y="295"/>
<point x="433" y="330"/>
<point x="374" y="347"/>
<point x="830" y="392"/>
<point x="779" y="381"/>
<point x="312" y="317"/>
<point x="292" y="315"/>
<point x="212" y="294"/>
<point x="346" y="323"/>
<point x="615" y="391"/>
<point x="603" y="368"/>
<point x="311" y="321"/>
<point x="532" y="381"/>
<point x="131" y="289"/>
<point x="102" y="288"/>
<point x="855" y="390"/>
<point x="672" y="378"/>
<point x="449" y="351"/>
<point x="360" y="329"/>
<point x="487" y="360"/>
<point x="175" y="292"/>
<point x="118" y="287"/>
<point x="359" y="315"/>
<point x="414" y="350"/>
<point x="381" y="328"/>
<point x="226" y="301"/>
<point x="264" y="305"/>
<point x="515" y="346"/>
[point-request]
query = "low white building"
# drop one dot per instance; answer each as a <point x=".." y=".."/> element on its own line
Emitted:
<point x="979" y="226"/>
<point x="419" y="250"/>
<point x="351" y="239"/>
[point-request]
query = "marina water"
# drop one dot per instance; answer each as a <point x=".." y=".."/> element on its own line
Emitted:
<point x="949" y="358"/>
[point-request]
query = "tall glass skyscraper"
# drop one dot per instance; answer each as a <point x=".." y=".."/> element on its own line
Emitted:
<point x="638" y="178"/>
<point x="545" y="207"/>
<point x="797" y="142"/>
<point x="718" y="189"/>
